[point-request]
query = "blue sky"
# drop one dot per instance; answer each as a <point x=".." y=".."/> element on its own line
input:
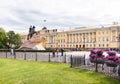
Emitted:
<point x="18" y="15"/>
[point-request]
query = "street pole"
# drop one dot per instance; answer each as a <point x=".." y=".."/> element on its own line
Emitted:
<point x="96" y="68"/>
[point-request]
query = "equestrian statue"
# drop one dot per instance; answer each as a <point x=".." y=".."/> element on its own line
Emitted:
<point x="31" y="32"/>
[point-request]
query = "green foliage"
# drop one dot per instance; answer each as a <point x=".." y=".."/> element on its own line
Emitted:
<point x="11" y="36"/>
<point x="3" y="38"/>
<point x="14" y="39"/>
<point x="30" y="72"/>
<point x="17" y="40"/>
<point x="9" y="39"/>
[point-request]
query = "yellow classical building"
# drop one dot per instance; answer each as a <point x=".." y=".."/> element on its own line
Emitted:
<point x="105" y="37"/>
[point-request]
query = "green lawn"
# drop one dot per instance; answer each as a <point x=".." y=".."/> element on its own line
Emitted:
<point x="30" y="72"/>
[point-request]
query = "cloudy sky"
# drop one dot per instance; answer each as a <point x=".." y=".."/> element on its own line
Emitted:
<point x="18" y="15"/>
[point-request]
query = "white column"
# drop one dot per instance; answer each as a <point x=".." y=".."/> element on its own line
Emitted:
<point x="53" y="38"/>
<point x="78" y="37"/>
<point x="92" y="36"/>
<point x="68" y="38"/>
<point x="111" y="35"/>
<point x="75" y="38"/>
<point x="89" y="36"/>
<point x="84" y="38"/>
<point x="116" y="35"/>
<point x="72" y="37"/>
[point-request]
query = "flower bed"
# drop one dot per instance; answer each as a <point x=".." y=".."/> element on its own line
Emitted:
<point x="112" y="59"/>
<point x="97" y="56"/>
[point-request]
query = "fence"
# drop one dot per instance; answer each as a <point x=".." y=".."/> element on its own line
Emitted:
<point x="77" y="61"/>
<point x="37" y="56"/>
<point x="83" y="63"/>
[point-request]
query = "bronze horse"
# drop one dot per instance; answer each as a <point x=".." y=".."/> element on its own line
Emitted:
<point x="31" y="32"/>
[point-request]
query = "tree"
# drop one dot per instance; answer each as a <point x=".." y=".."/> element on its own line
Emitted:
<point x="17" y="41"/>
<point x="11" y="36"/>
<point x="3" y="38"/>
<point x="14" y="39"/>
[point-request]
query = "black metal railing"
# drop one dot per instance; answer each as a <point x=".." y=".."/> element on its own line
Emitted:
<point x="77" y="61"/>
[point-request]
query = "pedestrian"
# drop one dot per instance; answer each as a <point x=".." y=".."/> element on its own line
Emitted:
<point x="11" y="51"/>
<point x="62" y="50"/>
<point x="57" y="51"/>
<point x="53" y="52"/>
<point x="14" y="52"/>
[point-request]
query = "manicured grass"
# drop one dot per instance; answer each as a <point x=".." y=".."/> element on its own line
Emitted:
<point x="30" y="72"/>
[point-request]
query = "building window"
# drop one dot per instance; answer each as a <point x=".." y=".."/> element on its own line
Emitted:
<point x="90" y="45"/>
<point x="67" y="45"/>
<point x="102" y="38"/>
<point x="113" y="31"/>
<point x="87" y="45"/>
<point x="107" y="32"/>
<point x="79" y="40"/>
<point x="99" y="38"/>
<point x="73" y="40"/>
<point x="103" y="45"/>
<point x="107" y="39"/>
<point x="99" y="32"/>
<point x="64" y="40"/>
<point x="99" y="45"/>
<point x="114" y="38"/>
<point x="107" y="45"/>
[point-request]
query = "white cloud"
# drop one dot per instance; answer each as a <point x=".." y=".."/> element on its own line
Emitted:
<point x="20" y="14"/>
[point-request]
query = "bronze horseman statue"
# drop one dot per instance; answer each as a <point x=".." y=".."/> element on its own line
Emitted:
<point x="31" y="32"/>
